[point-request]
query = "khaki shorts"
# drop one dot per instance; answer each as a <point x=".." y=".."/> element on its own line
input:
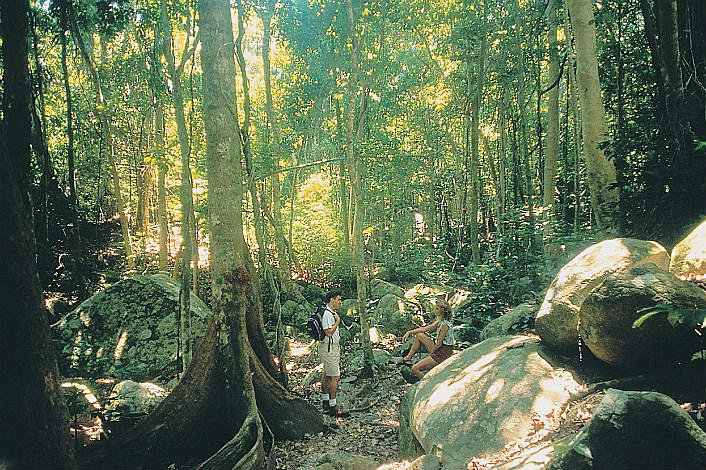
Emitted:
<point x="331" y="359"/>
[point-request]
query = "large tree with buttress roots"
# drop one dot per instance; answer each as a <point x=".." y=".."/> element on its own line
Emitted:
<point x="228" y="402"/>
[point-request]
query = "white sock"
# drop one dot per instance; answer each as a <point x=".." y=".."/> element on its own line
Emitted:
<point x="332" y="402"/>
<point x="325" y="397"/>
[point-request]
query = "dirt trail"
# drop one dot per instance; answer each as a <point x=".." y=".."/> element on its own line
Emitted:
<point x="371" y="433"/>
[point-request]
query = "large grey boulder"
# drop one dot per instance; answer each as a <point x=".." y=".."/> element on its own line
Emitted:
<point x="512" y="322"/>
<point x="689" y="255"/>
<point x="394" y="314"/>
<point x="482" y="399"/>
<point x="128" y="328"/>
<point x="130" y="398"/>
<point x="631" y="430"/>
<point x="609" y="311"/>
<point x="557" y="319"/>
<point x="379" y="288"/>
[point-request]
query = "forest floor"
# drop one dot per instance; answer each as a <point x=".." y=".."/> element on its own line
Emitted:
<point x="371" y="432"/>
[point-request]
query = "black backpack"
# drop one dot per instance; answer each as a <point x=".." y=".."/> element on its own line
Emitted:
<point x="314" y="325"/>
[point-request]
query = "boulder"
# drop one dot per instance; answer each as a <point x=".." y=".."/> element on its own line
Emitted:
<point x="637" y="430"/>
<point x="515" y="321"/>
<point x="128" y="328"/>
<point x="379" y="288"/>
<point x="460" y="300"/>
<point x="482" y="399"/>
<point x="288" y="308"/>
<point x="394" y="314"/>
<point x="557" y="319"/>
<point x="129" y="399"/>
<point x="380" y="356"/>
<point x="689" y="255"/>
<point x="609" y="311"/>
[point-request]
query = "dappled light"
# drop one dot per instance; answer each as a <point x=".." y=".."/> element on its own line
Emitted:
<point x="88" y="395"/>
<point x="120" y="345"/>
<point x="494" y="391"/>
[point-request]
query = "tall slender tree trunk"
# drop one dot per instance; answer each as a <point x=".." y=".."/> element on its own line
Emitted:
<point x="342" y="187"/>
<point x="575" y="128"/>
<point x="473" y="168"/>
<point x="357" y="171"/>
<point x="76" y="246"/>
<point x="601" y="171"/>
<point x="551" y="156"/>
<point x="258" y="219"/>
<point x="33" y="412"/>
<point x="107" y="136"/>
<point x="285" y="269"/>
<point x="185" y="194"/>
<point x="161" y="188"/>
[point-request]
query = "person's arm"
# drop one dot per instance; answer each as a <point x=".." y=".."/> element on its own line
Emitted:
<point x="421" y="329"/>
<point x="330" y="331"/>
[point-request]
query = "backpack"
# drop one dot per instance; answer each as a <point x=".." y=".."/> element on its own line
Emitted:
<point x="314" y="325"/>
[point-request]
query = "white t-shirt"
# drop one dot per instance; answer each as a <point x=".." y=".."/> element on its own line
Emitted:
<point x="449" y="338"/>
<point x="327" y="322"/>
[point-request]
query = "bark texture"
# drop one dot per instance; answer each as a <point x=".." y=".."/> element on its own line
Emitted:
<point x="600" y="171"/>
<point x="33" y="413"/>
<point x="212" y="415"/>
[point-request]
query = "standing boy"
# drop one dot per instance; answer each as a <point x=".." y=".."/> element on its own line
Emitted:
<point x="330" y="354"/>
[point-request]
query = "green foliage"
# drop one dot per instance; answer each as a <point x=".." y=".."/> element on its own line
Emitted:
<point x="691" y="317"/>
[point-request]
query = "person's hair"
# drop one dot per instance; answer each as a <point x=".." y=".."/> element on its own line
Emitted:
<point x="332" y="294"/>
<point x="445" y="309"/>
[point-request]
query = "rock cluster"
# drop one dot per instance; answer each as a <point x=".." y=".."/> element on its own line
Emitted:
<point x="507" y="392"/>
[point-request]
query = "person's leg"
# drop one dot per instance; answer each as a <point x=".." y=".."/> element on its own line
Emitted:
<point x="333" y="387"/>
<point x="325" y="394"/>
<point x="325" y="382"/>
<point x="420" y="339"/>
<point x="424" y="365"/>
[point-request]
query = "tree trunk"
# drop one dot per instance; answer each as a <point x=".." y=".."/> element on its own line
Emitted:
<point x="601" y="172"/>
<point x="185" y="194"/>
<point x="285" y="268"/>
<point x="212" y="411"/>
<point x="33" y="412"/>
<point x="475" y="151"/>
<point x="551" y="156"/>
<point x="76" y="245"/>
<point x="107" y="136"/>
<point x="342" y="187"/>
<point x="161" y="189"/>
<point x="258" y="219"/>
<point x="575" y="134"/>
<point x="356" y="171"/>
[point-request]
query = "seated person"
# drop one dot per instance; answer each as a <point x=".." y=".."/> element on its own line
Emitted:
<point x="440" y="349"/>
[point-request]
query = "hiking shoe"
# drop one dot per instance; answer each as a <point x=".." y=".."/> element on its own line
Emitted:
<point x="409" y="375"/>
<point x="337" y="412"/>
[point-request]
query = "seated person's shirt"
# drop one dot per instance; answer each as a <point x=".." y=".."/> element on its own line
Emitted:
<point x="449" y="338"/>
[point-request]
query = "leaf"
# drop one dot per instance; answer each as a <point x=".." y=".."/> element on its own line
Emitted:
<point x="560" y="449"/>
<point x="638" y="323"/>
<point x="583" y="449"/>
